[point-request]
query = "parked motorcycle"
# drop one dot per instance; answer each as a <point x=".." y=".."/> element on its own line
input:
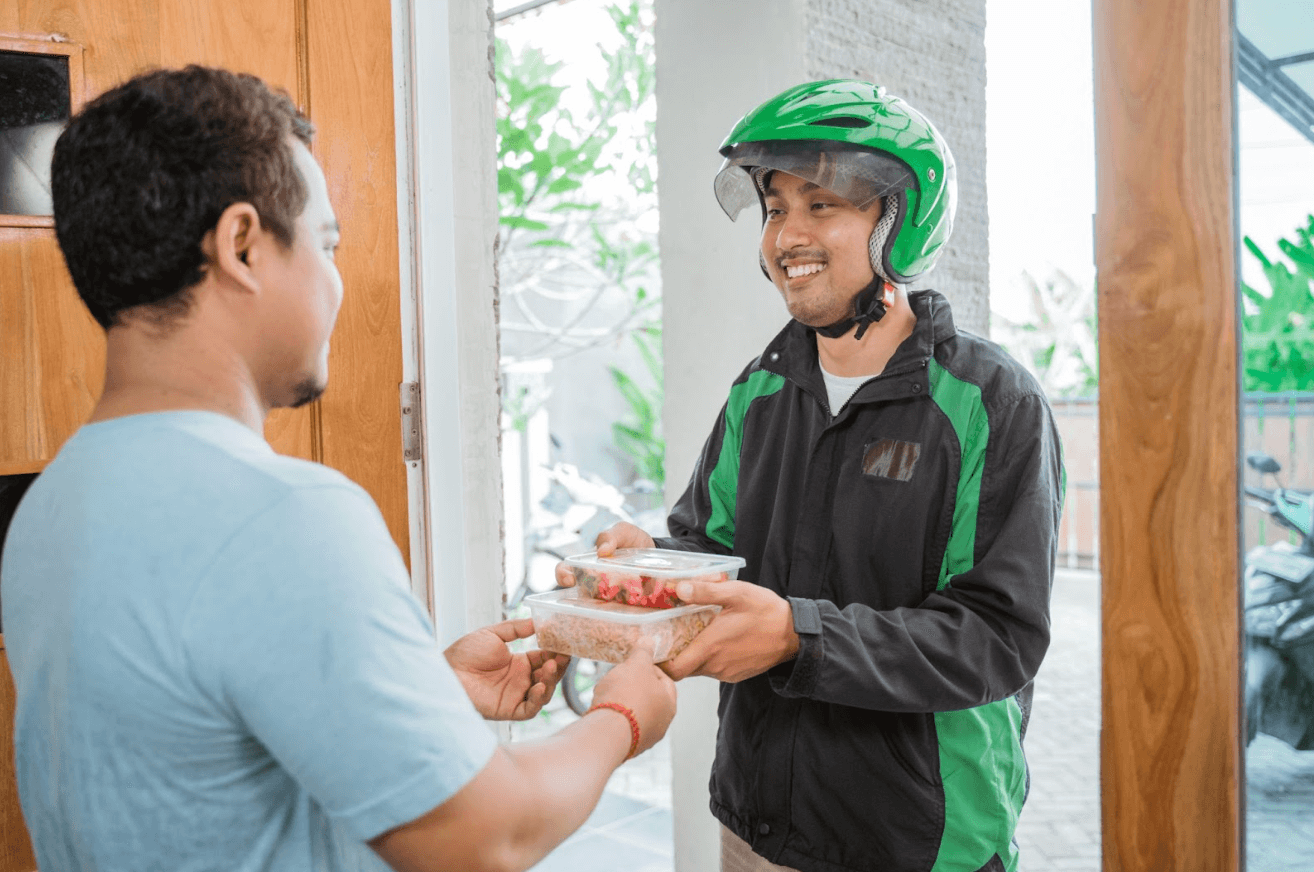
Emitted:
<point x="1279" y="616"/>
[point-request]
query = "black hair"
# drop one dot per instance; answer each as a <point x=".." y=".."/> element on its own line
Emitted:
<point x="144" y="171"/>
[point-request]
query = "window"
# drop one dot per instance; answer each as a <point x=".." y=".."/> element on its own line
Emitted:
<point x="36" y="100"/>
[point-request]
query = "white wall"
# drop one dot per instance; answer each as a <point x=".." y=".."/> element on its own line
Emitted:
<point x="715" y="61"/>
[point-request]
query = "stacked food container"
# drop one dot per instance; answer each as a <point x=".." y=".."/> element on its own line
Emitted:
<point x="630" y="595"/>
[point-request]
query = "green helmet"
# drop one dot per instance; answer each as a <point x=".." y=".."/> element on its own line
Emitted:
<point x="852" y="138"/>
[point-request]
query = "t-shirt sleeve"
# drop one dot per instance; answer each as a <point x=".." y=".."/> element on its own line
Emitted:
<point x="305" y="630"/>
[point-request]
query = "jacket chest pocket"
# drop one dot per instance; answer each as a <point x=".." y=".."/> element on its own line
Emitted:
<point x="887" y="515"/>
<point x="892" y="459"/>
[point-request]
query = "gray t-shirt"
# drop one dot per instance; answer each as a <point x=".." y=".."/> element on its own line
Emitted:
<point x="219" y="661"/>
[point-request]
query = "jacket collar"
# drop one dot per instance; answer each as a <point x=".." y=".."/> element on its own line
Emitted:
<point x="793" y="353"/>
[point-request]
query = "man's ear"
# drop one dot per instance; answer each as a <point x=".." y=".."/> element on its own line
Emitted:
<point x="231" y="246"/>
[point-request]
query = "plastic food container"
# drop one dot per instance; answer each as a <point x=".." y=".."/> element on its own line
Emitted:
<point x="569" y="624"/>
<point x="647" y="576"/>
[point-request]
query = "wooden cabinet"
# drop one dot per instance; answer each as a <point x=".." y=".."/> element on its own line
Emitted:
<point x="336" y="61"/>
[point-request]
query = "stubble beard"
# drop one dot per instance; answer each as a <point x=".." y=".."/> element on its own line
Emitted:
<point x="306" y="392"/>
<point x="815" y="311"/>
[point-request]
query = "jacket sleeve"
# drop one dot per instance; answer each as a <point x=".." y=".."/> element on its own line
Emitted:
<point x="981" y="636"/>
<point x="703" y="518"/>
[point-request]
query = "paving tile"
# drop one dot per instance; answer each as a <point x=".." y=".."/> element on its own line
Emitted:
<point x="598" y="852"/>
<point x="653" y="829"/>
<point x="613" y="807"/>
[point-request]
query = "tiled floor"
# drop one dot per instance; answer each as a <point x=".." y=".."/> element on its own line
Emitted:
<point x="631" y="828"/>
<point x="1279" y="807"/>
<point x="622" y="833"/>
<point x="1060" y="824"/>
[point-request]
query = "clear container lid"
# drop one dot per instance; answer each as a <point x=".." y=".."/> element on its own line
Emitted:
<point x="658" y="562"/>
<point x="565" y="602"/>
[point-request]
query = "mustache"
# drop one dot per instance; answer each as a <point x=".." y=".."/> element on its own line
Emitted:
<point x="811" y="254"/>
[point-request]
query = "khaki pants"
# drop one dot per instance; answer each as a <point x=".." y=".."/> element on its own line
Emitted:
<point x="737" y="856"/>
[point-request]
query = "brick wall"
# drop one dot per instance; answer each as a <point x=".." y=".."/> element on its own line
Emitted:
<point x="931" y="53"/>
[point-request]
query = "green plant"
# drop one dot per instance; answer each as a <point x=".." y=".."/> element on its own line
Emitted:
<point x="640" y="437"/>
<point x="576" y="174"/>
<point x="1278" y="326"/>
<point x="1057" y="342"/>
<point x="543" y="155"/>
<point x="547" y="158"/>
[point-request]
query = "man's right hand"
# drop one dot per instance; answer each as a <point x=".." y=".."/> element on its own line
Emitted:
<point x="643" y="688"/>
<point x="609" y="541"/>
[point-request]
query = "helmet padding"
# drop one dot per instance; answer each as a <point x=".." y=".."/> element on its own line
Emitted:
<point x="880" y="233"/>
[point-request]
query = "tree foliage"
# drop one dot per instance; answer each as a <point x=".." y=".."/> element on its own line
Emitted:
<point x="577" y="263"/>
<point x="1278" y="335"/>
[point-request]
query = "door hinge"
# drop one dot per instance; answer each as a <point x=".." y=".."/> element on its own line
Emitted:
<point x="412" y="425"/>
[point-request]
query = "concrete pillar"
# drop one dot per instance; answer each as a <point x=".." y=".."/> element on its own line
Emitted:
<point x="716" y="61"/>
<point x="932" y="55"/>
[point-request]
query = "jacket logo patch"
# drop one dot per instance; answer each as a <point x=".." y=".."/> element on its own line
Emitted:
<point x="890" y="458"/>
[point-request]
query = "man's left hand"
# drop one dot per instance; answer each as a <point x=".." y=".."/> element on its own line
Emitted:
<point x="505" y="686"/>
<point x="753" y="632"/>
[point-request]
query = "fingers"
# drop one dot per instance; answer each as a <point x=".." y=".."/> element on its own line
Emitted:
<point x="688" y="662"/>
<point x="509" y="631"/>
<point x="538" y="697"/>
<point x="642" y="651"/>
<point x="708" y="592"/>
<point x="622" y="535"/>
<point x="565" y="576"/>
<point x="606" y="543"/>
<point x="547" y="668"/>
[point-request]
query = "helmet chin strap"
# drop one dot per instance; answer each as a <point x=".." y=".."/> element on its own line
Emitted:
<point x="869" y="303"/>
<point x="868" y="308"/>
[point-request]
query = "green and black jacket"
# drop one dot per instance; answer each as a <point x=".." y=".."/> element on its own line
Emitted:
<point x="914" y="534"/>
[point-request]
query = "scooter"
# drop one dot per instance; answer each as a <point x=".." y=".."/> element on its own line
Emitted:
<point x="1279" y="617"/>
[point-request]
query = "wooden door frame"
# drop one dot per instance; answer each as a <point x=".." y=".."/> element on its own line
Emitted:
<point x="1171" y="748"/>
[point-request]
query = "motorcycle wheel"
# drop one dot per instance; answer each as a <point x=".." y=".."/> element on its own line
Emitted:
<point x="578" y="681"/>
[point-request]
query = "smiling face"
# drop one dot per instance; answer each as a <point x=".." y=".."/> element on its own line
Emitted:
<point x="303" y="292"/>
<point x="814" y="244"/>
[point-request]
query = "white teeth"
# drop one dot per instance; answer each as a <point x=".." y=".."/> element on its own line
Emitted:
<point x="806" y="269"/>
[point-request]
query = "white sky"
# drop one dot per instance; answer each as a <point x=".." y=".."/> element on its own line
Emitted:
<point x="1040" y="152"/>
<point x="1039" y="139"/>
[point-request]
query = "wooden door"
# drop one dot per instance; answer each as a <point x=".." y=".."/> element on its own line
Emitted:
<point x="335" y="59"/>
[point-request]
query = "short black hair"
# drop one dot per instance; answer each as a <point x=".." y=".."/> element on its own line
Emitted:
<point x="144" y="171"/>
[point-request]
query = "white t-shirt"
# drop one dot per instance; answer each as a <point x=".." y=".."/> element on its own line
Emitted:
<point x="840" y="388"/>
<point x="219" y="661"/>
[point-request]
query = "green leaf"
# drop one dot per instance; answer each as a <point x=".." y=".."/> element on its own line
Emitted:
<point x="520" y="222"/>
<point x="564" y="185"/>
<point x="571" y="206"/>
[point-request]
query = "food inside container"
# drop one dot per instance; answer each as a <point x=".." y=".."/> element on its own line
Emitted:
<point x="647" y="576"/>
<point x="596" y="630"/>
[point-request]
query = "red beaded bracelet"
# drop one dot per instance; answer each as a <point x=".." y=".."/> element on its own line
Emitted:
<point x="629" y="716"/>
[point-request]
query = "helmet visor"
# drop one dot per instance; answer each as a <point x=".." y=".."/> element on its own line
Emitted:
<point x="859" y="175"/>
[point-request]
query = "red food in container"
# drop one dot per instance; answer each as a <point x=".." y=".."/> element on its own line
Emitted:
<point x="647" y="577"/>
